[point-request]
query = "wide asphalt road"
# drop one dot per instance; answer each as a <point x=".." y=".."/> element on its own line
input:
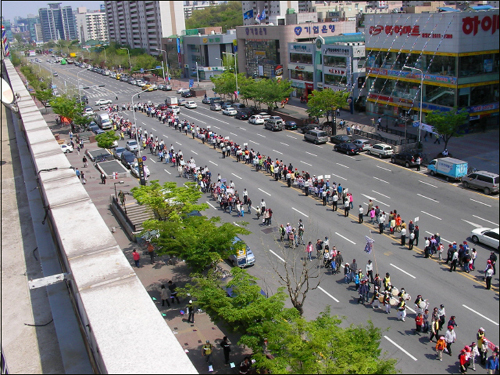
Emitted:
<point x="440" y="206"/>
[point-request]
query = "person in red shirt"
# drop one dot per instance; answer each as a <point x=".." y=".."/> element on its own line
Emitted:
<point x="136" y="257"/>
<point x="419" y="323"/>
<point x="463" y="362"/>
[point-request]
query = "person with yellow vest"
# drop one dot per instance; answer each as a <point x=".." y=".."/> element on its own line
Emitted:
<point x="401" y="309"/>
<point x="206" y="351"/>
<point x="387" y="281"/>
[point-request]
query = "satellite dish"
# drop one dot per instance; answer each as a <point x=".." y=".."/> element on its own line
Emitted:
<point x="7" y="93"/>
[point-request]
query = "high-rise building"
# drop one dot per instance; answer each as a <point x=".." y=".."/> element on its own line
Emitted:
<point x="91" y="25"/>
<point x="266" y="12"/>
<point x="142" y="24"/>
<point x="30" y="23"/>
<point x="7" y="26"/>
<point x="57" y="22"/>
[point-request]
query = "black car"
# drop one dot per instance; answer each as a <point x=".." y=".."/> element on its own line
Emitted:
<point x="340" y="138"/>
<point x="187" y="94"/>
<point x="127" y="158"/>
<point x="304" y="129"/>
<point x="242" y="115"/>
<point x="290" y="125"/>
<point x="404" y="158"/>
<point x="347" y="147"/>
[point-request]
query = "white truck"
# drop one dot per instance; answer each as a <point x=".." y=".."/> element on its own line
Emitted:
<point x="171" y="100"/>
<point x="102" y="119"/>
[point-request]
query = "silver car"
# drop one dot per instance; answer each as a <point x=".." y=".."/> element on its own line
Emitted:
<point x="316" y="136"/>
<point x="215" y="107"/>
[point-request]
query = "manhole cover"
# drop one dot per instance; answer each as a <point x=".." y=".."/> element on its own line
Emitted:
<point x="270" y="230"/>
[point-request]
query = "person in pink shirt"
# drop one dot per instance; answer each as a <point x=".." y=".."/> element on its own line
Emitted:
<point x="309" y="249"/>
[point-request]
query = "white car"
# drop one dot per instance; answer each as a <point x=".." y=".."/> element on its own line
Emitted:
<point x="256" y="120"/>
<point x="181" y="101"/>
<point x="103" y="102"/>
<point x="140" y="83"/>
<point x="229" y="111"/>
<point x="181" y="90"/>
<point x="66" y="148"/>
<point x="380" y="149"/>
<point x="362" y="143"/>
<point x="190" y="104"/>
<point x="152" y="86"/>
<point x="132" y="145"/>
<point x="175" y="109"/>
<point x="485" y="235"/>
<point x="88" y="111"/>
<point x="135" y="170"/>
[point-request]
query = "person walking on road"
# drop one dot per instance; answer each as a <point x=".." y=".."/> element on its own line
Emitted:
<point x="360" y="214"/>
<point x="440" y="346"/>
<point x="225" y="345"/>
<point x="488" y="277"/>
<point x="450" y="337"/>
<point x="347" y="207"/>
<point x="403" y="237"/>
<point x="136" y="257"/>
<point x="454" y="260"/>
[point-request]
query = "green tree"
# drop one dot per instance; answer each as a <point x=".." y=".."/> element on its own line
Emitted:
<point x="448" y="124"/>
<point x="44" y="96"/>
<point x="106" y="140"/>
<point x="274" y="91"/>
<point x="66" y="107"/>
<point x="324" y="103"/>
<point x="228" y="16"/>
<point x="15" y="59"/>
<point x="81" y="120"/>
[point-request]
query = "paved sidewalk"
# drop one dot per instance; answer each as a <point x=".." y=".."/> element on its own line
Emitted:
<point x="152" y="276"/>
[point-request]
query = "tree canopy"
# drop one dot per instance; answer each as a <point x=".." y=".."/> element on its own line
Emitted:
<point x="228" y="16"/>
<point x="448" y="124"/>
<point x="323" y="103"/>
<point x="106" y="140"/>
<point x="66" y="107"/>
<point x="44" y="96"/>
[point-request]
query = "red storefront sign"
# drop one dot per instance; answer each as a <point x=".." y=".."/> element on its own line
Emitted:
<point x="405" y="30"/>
<point x="381" y="97"/>
<point x="471" y="24"/>
<point x="337" y="71"/>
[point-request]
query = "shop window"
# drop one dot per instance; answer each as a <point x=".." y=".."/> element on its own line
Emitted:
<point x="301" y="75"/>
<point x="478" y="64"/>
<point x="443" y="65"/>
<point x="300" y="58"/>
<point x="484" y="94"/>
<point x="335" y="80"/>
<point x="335" y="61"/>
<point x="440" y="95"/>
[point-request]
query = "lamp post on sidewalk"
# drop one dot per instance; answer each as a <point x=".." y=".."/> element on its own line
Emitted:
<point x="166" y="63"/>
<point x="421" y="96"/>
<point x="129" y="63"/>
<point x="135" y="124"/>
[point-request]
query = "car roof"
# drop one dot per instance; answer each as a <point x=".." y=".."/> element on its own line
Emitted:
<point x="361" y="140"/>
<point x="486" y="173"/>
<point x="382" y="144"/>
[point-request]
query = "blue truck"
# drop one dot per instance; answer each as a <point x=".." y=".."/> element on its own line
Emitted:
<point x="451" y="168"/>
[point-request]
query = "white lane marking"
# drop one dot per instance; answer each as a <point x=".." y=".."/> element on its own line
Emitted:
<point x="194" y="152"/>
<point x="278" y="152"/>
<point x="409" y="274"/>
<point x="212" y="118"/>
<point x="385" y="169"/>
<point x="375" y="200"/>
<point x="342" y="165"/>
<point x="203" y="122"/>
<point x="211" y="205"/>
<point x="480" y="202"/>
<point x="152" y="160"/>
<point x="180" y="144"/>
<point x="481" y="315"/>
<point x="381" y="194"/>
<point x="328" y="294"/>
<point x="143" y="123"/>
<point x="431" y="199"/>
<point x="342" y="178"/>
<point x="210" y="161"/>
<point x="242" y="128"/>
<point x="277" y="256"/>
<point x="235" y="223"/>
<point x="442" y="239"/>
<point x="299" y="212"/>
<point x="409" y="308"/>
<point x="435" y="217"/>
<point x="306" y="163"/>
<point x="253" y="142"/>
<point x="434" y="186"/>
<point x="284" y="144"/>
<point x="291" y="136"/>
<point x="232" y="133"/>
<point x="166" y="136"/>
<point x="345" y="238"/>
<point x="310" y="153"/>
<point x="473" y="224"/>
<point x="260" y="135"/>
<point x="376" y="178"/>
<point x="216" y="127"/>
<point x="235" y="175"/>
<point x="491" y="222"/>
<point x="265" y="192"/>
<point x="400" y="348"/>
<point x="167" y="171"/>
<point x="256" y="209"/>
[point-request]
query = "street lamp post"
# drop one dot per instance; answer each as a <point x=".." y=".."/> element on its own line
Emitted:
<point x="235" y="70"/>
<point x="135" y="124"/>
<point x="421" y="96"/>
<point x="166" y="63"/>
<point x="128" y="52"/>
<point x="78" y="81"/>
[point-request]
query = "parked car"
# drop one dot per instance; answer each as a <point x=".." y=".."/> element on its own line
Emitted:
<point x="181" y="101"/>
<point x="160" y="87"/>
<point x="242" y="115"/>
<point x="404" y="158"/>
<point x="347" y="148"/>
<point x="256" y="120"/>
<point x="482" y="180"/>
<point x="274" y="124"/>
<point x="485" y="235"/>
<point x="340" y="138"/>
<point x="117" y="152"/>
<point x="227" y="105"/>
<point x="133" y="82"/>
<point x="66" y="148"/>
<point x="380" y="149"/>
<point x="229" y="111"/>
<point x="181" y="90"/>
<point x="316" y="136"/>
<point x="132" y="145"/>
<point x="238" y="106"/>
<point x="362" y="143"/>
<point x="215" y="107"/>
<point x="103" y="102"/>
<point x="304" y="129"/>
<point x="88" y="111"/>
<point x="55" y="74"/>
<point x="153" y="87"/>
<point x="243" y="256"/>
<point x="127" y="158"/>
<point x="265" y="115"/>
<point x="191" y="104"/>
<point x="134" y="170"/>
<point x="167" y="88"/>
<point x="290" y="125"/>
<point x="140" y="83"/>
<point x="187" y="94"/>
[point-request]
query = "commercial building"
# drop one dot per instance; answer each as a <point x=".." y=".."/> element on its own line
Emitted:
<point x="57" y="22"/>
<point x="29" y="24"/>
<point x="263" y="49"/>
<point x="143" y="24"/>
<point x="266" y="12"/>
<point x="190" y="6"/>
<point x="91" y="25"/>
<point x="458" y="53"/>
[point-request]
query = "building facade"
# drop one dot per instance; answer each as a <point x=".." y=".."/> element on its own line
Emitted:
<point x="266" y="12"/>
<point x="143" y="24"/>
<point x="458" y="53"/>
<point x="91" y="25"/>
<point x="57" y="22"/>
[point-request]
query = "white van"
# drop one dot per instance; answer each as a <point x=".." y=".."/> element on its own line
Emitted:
<point x="102" y="119"/>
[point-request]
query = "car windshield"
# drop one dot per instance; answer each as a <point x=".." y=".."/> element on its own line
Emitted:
<point x="322" y="134"/>
<point x="132" y="143"/>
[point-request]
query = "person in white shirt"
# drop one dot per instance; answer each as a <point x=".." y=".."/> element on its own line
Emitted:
<point x="369" y="270"/>
<point x="360" y="214"/>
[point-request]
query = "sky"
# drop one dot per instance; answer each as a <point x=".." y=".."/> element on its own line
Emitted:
<point x="11" y="9"/>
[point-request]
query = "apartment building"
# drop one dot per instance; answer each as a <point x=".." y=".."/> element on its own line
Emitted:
<point x="91" y="25"/>
<point x="57" y="22"/>
<point x="266" y="12"/>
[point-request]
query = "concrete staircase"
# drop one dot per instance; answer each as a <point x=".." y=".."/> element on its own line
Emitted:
<point x="138" y="214"/>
